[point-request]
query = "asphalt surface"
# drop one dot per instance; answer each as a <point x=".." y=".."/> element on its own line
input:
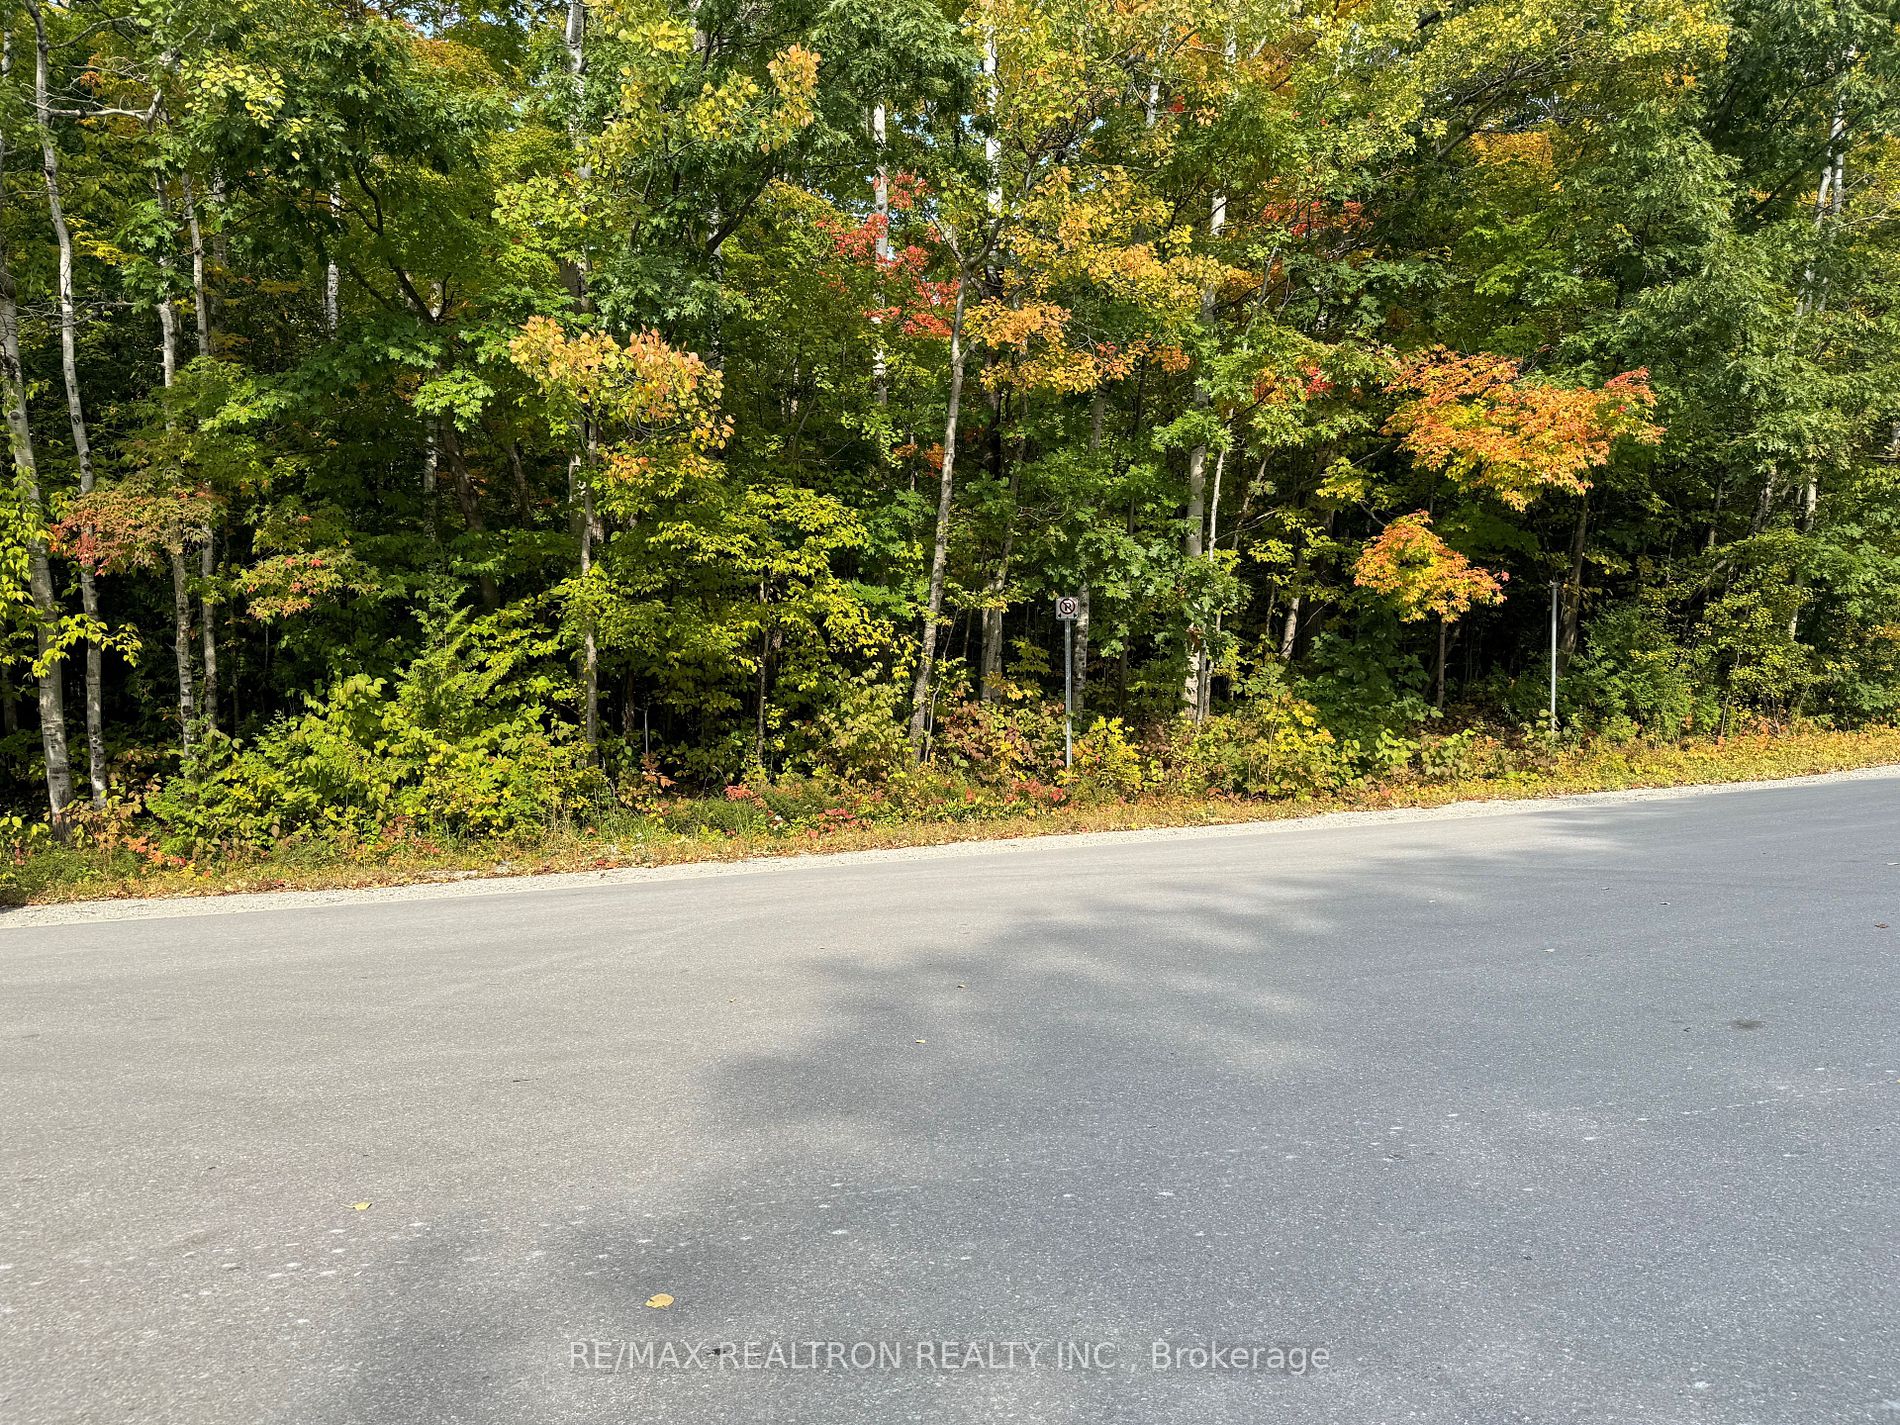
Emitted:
<point x="1577" y="1112"/>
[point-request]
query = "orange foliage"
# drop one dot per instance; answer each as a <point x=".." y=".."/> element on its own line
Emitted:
<point x="1480" y="421"/>
<point x="1422" y="574"/>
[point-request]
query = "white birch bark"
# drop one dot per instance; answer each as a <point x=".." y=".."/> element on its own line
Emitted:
<point x="1192" y="695"/>
<point x="200" y="297"/>
<point x="52" y="698"/>
<point x="181" y="649"/>
<point x="940" y="546"/>
<point x="332" y="276"/>
<point x="207" y="568"/>
<point x="580" y="462"/>
<point x="881" y="206"/>
<point x="167" y="315"/>
<point x="75" y="407"/>
<point x="992" y="143"/>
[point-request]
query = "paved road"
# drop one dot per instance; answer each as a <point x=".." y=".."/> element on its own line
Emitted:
<point x="1574" y="1112"/>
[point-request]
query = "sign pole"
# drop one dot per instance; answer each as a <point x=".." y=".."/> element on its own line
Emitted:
<point x="1067" y="608"/>
<point x="1068" y="692"/>
<point x="1553" y="658"/>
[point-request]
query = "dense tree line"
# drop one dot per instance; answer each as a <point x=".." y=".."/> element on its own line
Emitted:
<point x="632" y="387"/>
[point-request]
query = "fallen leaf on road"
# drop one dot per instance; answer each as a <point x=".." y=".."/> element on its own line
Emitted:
<point x="920" y="1041"/>
<point x="659" y="1301"/>
<point x="360" y="1206"/>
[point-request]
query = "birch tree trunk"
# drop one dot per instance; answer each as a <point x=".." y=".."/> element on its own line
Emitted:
<point x="990" y="672"/>
<point x="1191" y="543"/>
<point x="52" y="698"/>
<point x="75" y="409"/>
<point x="580" y="463"/>
<point x="332" y="277"/>
<point x="881" y="206"/>
<point x="992" y="142"/>
<point x="207" y="568"/>
<point x="590" y="646"/>
<point x="181" y="648"/>
<point x="168" y="366"/>
<point x="200" y="298"/>
<point x="167" y="317"/>
<point x="1290" y="630"/>
<point x="1204" y="684"/>
<point x="940" y="546"/>
<point x="431" y="458"/>
<point x="1829" y="196"/>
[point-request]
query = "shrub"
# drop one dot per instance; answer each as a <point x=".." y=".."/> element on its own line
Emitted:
<point x="1107" y="763"/>
<point x="1469" y="754"/>
<point x="1634" y="678"/>
<point x="356" y="764"/>
<point x="1001" y="745"/>
<point x="861" y="739"/>
<point x="1273" y="745"/>
<point x="433" y="756"/>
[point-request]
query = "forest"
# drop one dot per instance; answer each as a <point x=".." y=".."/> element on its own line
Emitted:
<point x="464" y="419"/>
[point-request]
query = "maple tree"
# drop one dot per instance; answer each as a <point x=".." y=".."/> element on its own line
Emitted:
<point x="1422" y="574"/>
<point x="1494" y="431"/>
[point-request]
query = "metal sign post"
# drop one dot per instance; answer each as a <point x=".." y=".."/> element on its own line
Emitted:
<point x="1553" y="659"/>
<point x="1067" y="607"/>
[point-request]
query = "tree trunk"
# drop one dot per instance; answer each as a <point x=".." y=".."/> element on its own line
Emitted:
<point x="207" y="567"/>
<point x="765" y="657"/>
<point x="524" y="502"/>
<point x="1191" y="548"/>
<point x="590" y="646"/>
<point x="431" y="456"/>
<point x="1204" y="684"/>
<point x="332" y="278"/>
<point x="1191" y="545"/>
<point x="881" y="208"/>
<point x="75" y="409"/>
<point x="168" y="366"/>
<point x="1290" y="631"/>
<point x="52" y="699"/>
<point x="990" y="679"/>
<point x="940" y="546"/>
<point x="1444" y="647"/>
<point x="1765" y="505"/>
<point x="470" y="505"/>
<point x="1081" y="653"/>
<point x="167" y="317"/>
<point x="1573" y="587"/>
<point x="200" y="297"/>
<point x="1828" y="201"/>
<point x="181" y="648"/>
<point x="580" y="464"/>
<point x="220" y="247"/>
